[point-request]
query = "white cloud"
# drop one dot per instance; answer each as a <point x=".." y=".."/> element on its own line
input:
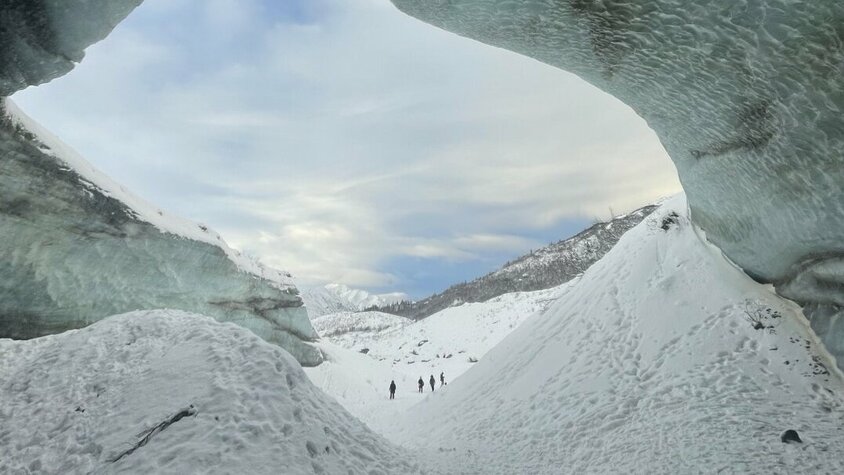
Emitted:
<point x="331" y="143"/>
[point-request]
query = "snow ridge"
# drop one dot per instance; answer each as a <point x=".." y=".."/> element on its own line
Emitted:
<point x="543" y="268"/>
<point x="662" y="358"/>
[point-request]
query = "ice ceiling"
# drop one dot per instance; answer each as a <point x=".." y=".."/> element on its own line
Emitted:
<point x="746" y="96"/>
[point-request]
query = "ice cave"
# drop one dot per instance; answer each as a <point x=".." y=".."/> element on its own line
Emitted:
<point x="745" y="97"/>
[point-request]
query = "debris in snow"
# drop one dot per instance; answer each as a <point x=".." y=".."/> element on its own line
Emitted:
<point x="672" y="219"/>
<point x="146" y="436"/>
<point x="790" y="436"/>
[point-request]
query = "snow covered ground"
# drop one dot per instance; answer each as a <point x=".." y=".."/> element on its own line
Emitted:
<point x="651" y="363"/>
<point x="171" y="392"/>
<point x="662" y="358"/>
<point x="403" y="350"/>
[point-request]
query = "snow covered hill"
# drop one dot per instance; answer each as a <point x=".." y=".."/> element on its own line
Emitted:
<point x="543" y="268"/>
<point x="171" y="392"/>
<point x="662" y="358"/>
<point x="335" y="298"/>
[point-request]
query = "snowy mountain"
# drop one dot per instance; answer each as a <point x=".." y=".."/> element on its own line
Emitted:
<point x="543" y="268"/>
<point x="334" y="298"/>
<point x="631" y="368"/>
<point x="171" y="392"/>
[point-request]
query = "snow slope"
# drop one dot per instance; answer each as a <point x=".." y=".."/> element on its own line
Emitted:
<point x="334" y="298"/>
<point x="648" y="364"/>
<point x="205" y="397"/>
<point x="746" y="98"/>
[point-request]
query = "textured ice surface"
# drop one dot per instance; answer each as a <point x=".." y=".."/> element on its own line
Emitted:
<point x="746" y="97"/>
<point x="76" y="248"/>
<point x="42" y="39"/>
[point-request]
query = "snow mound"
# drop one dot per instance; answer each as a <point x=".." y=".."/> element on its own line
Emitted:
<point x="336" y="298"/>
<point x="172" y="392"/>
<point x="662" y="358"/>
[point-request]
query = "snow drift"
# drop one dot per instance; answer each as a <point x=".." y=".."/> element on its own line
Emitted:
<point x="662" y="358"/>
<point x="171" y="392"/>
<point x="745" y="96"/>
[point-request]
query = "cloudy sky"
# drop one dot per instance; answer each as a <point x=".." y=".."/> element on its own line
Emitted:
<point x="346" y="142"/>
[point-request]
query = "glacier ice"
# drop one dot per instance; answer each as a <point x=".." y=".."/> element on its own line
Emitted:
<point x="746" y="96"/>
<point x="76" y="248"/>
<point x="74" y="252"/>
<point x="43" y="39"/>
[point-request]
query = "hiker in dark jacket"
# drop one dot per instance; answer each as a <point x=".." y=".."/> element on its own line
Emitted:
<point x="433" y="382"/>
<point x="421" y="384"/>
<point x="392" y="389"/>
<point x="442" y="379"/>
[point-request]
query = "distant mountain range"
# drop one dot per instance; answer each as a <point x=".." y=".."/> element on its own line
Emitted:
<point x="542" y="268"/>
<point x="336" y="298"/>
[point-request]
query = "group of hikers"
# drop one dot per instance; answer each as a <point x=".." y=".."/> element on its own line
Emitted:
<point x="432" y="381"/>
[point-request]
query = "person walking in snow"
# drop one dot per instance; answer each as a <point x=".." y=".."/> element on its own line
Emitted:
<point x="433" y="382"/>
<point x="421" y="384"/>
<point x="442" y="379"/>
<point x="392" y="389"/>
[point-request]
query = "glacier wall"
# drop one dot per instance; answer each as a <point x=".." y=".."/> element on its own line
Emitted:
<point x="76" y="247"/>
<point x="746" y="97"/>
